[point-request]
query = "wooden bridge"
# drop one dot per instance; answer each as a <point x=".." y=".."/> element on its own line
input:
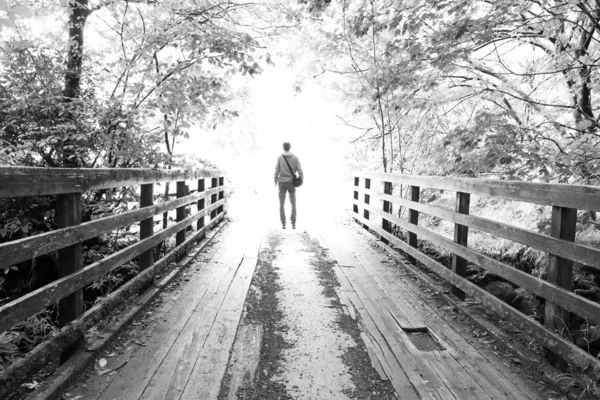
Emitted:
<point x="193" y="341"/>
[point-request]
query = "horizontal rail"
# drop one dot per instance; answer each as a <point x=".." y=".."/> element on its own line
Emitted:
<point x="50" y="181"/>
<point x="573" y="251"/>
<point x="25" y="306"/>
<point x="35" y="246"/>
<point x="550" y="194"/>
<point x="569" y="300"/>
<point x="374" y="205"/>
<point x="549" y="339"/>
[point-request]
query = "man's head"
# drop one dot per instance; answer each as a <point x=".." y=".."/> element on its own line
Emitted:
<point x="287" y="146"/>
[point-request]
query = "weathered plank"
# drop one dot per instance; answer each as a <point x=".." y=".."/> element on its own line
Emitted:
<point x="209" y="369"/>
<point x="481" y="369"/>
<point x="560" y="270"/>
<point x="587" y="255"/>
<point x="68" y="213"/>
<point x="390" y="364"/>
<point x="551" y="194"/>
<point x="461" y="235"/>
<point x="154" y="364"/>
<point x="243" y="366"/>
<point x="27" y="248"/>
<point x="558" y="345"/>
<point x="31" y="303"/>
<point x="567" y="299"/>
<point x="48" y="181"/>
<point x="375" y="354"/>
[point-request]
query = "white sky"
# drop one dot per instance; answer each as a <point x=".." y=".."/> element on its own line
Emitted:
<point x="278" y="114"/>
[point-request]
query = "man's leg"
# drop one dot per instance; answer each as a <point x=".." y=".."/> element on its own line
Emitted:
<point x="281" y="204"/>
<point x="293" y="201"/>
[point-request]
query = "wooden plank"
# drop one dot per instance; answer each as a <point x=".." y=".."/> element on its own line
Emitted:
<point x="461" y="235"/>
<point x="147" y="224"/>
<point x="553" y="293"/>
<point x="180" y="236"/>
<point x="587" y="255"/>
<point x="33" y="181"/>
<point x="491" y="379"/>
<point x="205" y="380"/>
<point x="31" y="303"/>
<point x="390" y="364"/>
<point x="551" y="194"/>
<point x="34" y="246"/>
<point x="68" y="213"/>
<point x="155" y="364"/>
<point x="342" y="256"/>
<point x="555" y="343"/>
<point x="560" y="270"/>
<point x="243" y="366"/>
<point x="456" y="380"/>
<point x="413" y="217"/>
<point x="375" y="353"/>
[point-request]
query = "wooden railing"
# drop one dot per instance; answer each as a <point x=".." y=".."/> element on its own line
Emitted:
<point x="374" y="207"/>
<point x="68" y="185"/>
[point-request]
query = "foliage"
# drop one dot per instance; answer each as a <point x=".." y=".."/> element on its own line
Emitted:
<point x="149" y="73"/>
<point x="469" y="87"/>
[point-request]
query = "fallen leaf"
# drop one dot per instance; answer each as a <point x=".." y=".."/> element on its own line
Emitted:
<point x="31" y="385"/>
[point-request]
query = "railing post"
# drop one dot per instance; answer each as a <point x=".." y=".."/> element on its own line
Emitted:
<point x="214" y="182"/>
<point x="461" y="234"/>
<point x="413" y="218"/>
<point x="356" y="184"/>
<point x="221" y="194"/>
<point x="201" y="203"/>
<point x="146" y="225"/>
<point x="180" y="237"/>
<point x="68" y="213"/>
<point x="367" y="201"/>
<point x="560" y="270"/>
<point x="387" y="208"/>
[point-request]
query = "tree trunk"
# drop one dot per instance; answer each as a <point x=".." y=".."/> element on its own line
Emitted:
<point x="79" y="13"/>
<point x="78" y="17"/>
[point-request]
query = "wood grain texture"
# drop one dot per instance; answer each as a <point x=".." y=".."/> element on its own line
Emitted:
<point x="32" y="181"/>
<point x="586" y="255"/>
<point x="574" y="196"/>
<point x="558" y="345"/>
<point x="31" y="303"/>
<point x="567" y="299"/>
<point x="243" y="366"/>
<point x="27" y="248"/>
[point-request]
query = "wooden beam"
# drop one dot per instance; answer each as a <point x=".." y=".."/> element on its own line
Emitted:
<point x="461" y="235"/>
<point x="560" y="270"/>
<point x="27" y="248"/>
<point x="68" y="213"/>
<point x="387" y="207"/>
<point x="413" y="218"/>
<point x="582" y="254"/>
<point x="49" y="181"/>
<point x="180" y="237"/>
<point x="25" y="306"/>
<point x="553" y="194"/>
<point x="569" y="300"/>
<point x="555" y="343"/>
<point x="146" y="225"/>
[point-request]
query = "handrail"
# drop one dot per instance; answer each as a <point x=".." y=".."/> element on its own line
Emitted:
<point x="50" y="181"/>
<point x="373" y="204"/>
<point x="68" y="184"/>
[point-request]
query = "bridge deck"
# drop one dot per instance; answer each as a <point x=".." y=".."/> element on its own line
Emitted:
<point x="181" y="348"/>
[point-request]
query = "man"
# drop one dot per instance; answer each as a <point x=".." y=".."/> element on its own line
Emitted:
<point x="284" y="175"/>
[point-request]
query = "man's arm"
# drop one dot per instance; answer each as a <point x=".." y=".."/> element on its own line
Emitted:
<point x="276" y="171"/>
<point x="299" y="169"/>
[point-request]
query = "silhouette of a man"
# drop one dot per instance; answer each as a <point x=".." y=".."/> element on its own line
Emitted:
<point x="284" y="175"/>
